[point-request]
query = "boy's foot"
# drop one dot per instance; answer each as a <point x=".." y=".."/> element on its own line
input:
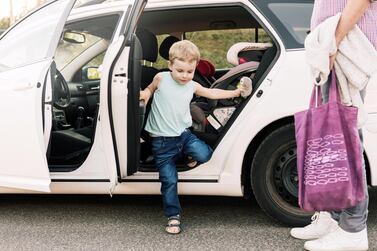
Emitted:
<point x="191" y="162"/>
<point x="174" y="225"/>
<point x="322" y="224"/>
<point x="340" y="240"/>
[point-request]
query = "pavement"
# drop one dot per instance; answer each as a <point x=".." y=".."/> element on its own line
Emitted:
<point x="66" y="222"/>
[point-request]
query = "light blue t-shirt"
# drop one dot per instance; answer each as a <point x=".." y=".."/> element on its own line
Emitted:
<point x="170" y="109"/>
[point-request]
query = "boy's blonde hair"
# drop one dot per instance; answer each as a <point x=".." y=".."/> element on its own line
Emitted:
<point x="184" y="51"/>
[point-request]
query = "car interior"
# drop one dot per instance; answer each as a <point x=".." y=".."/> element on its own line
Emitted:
<point x="76" y="90"/>
<point x="211" y="118"/>
<point x="250" y="53"/>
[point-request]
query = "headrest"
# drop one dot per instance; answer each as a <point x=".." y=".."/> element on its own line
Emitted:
<point x="234" y="51"/>
<point x="165" y="46"/>
<point x="148" y="43"/>
<point x="205" y="68"/>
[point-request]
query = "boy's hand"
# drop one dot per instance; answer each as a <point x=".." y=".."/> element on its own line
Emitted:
<point x="145" y="95"/>
<point x="245" y="87"/>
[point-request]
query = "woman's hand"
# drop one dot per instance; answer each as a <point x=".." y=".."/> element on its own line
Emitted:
<point x="332" y="61"/>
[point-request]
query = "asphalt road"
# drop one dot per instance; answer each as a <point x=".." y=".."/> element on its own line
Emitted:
<point x="136" y="223"/>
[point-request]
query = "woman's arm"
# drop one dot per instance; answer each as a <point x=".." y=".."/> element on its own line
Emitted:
<point x="351" y="14"/>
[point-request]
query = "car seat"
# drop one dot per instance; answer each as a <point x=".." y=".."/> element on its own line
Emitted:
<point x="205" y="70"/>
<point x="260" y="56"/>
<point x="243" y="52"/>
<point x="149" y="47"/>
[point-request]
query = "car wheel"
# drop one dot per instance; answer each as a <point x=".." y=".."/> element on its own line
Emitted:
<point x="274" y="178"/>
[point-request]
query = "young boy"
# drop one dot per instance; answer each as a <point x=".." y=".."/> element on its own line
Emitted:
<point x="169" y="119"/>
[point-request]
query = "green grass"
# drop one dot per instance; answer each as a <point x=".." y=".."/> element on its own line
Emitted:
<point x="214" y="45"/>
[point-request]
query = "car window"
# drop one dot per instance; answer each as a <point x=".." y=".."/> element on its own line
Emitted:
<point x="29" y="41"/>
<point x="218" y="42"/>
<point x="93" y="30"/>
<point x="67" y="51"/>
<point x="97" y="61"/>
<point x="295" y="17"/>
<point x="290" y="18"/>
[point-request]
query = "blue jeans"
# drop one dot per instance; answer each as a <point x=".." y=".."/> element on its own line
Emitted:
<point x="166" y="150"/>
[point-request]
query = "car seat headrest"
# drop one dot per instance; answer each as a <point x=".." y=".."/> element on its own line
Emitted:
<point x="165" y="46"/>
<point x="205" y="68"/>
<point x="149" y="44"/>
<point x="233" y="55"/>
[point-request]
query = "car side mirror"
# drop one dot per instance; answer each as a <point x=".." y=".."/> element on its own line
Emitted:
<point x="91" y="73"/>
<point x="74" y="37"/>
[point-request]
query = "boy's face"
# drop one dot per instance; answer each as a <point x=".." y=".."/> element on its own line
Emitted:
<point x="182" y="71"/>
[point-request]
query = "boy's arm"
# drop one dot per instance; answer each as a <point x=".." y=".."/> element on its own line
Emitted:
<point x="147" y="93"/>
<point x="215" y="93"/>
<point x="351" y="14"/>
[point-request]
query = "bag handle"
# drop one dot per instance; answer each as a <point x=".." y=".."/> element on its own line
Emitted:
<point x="333" y="92"/>
<point x="316" y="97"/>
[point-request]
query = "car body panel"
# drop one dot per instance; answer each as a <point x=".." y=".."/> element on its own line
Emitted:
<point x="286" y="90"/>
<point x="23" y="88"/>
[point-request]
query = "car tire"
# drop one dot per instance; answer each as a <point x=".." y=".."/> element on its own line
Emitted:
<point x="274" y="178"/>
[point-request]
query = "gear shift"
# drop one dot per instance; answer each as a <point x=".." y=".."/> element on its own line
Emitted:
<point x="80" y="117"/>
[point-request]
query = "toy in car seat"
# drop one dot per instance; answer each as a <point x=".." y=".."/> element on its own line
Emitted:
<point x="247" y="84"/>
<point x="220" y="116"/>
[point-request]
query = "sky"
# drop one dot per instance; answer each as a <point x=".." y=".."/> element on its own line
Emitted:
<point x="19" y="6"/>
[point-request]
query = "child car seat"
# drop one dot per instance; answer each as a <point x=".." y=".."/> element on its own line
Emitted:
<point x="246" y="58"/>
<point x="243" y="52"/>
<point x="205" y="70"/>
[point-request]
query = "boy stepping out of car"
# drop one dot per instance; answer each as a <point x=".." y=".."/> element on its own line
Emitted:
<point x="170" y="118"/>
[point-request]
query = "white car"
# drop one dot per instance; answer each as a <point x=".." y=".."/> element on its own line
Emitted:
<point x="65" y="130"/>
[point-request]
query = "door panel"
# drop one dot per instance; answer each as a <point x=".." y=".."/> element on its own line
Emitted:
<point x="23" y="150"/>
<point x="127" y="115"/>
<point x="136" y="109"/>
<point x="26" y="53"/>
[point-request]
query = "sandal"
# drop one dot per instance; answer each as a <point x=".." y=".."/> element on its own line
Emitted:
<point x="174" y="225"/>
<point x="191" y="162"/>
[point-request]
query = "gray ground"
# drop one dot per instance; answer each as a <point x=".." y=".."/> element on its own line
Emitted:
<point x="136" y="223"/>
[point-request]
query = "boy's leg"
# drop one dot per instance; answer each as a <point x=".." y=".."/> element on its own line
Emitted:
<point x="165" y="151"/>
<point x="196" y="148"/>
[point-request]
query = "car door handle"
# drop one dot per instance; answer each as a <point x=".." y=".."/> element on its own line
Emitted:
<point x="23" y="86"/>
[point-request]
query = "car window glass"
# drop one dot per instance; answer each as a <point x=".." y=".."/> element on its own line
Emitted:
<point x="68" y="51"/>
<point x="295" y="17"/>
<point x="161" y="63"/>
<point x="29" y="41"/>
<point x="97" y="61"/>
<point x="94" y="31"/>
<point x="214" y="44"/>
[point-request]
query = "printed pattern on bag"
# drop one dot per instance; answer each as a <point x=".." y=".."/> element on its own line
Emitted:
<point x="325" y="160"/>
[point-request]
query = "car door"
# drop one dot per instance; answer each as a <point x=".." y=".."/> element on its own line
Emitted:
<point x="26" y="75"/>
<point x="115" y="93"/>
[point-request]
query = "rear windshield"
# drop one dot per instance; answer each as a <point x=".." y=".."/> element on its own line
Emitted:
<point x="290" y="18"/>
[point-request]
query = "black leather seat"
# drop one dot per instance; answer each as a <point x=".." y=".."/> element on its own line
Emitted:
<point x="165" y="46"/>
<point x="149" y="47"/>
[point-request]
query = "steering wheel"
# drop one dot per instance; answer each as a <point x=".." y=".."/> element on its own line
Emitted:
<point x="62" y="96"/>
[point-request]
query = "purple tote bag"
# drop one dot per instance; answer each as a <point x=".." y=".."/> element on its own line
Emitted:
<point x="329" y="157"/>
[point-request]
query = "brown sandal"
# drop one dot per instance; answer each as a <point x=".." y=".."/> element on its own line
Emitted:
<point x="191" y="162"/>
<point x="174" y="225"/>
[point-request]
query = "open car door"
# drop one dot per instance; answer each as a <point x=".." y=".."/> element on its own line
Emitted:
<point x="115" y="93"/>
<point x="26" y="75"/>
